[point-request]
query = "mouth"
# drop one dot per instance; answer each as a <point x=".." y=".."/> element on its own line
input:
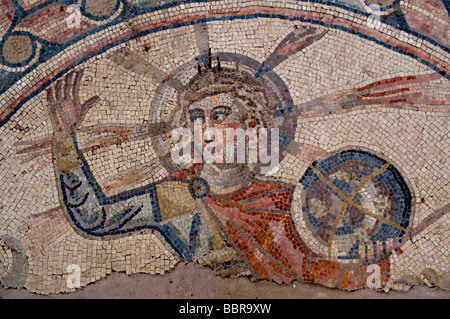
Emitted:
<point x="215" y="150"/>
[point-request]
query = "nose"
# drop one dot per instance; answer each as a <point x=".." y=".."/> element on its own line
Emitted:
<point x="208" y="129"/>
<point x="207" y="119"/>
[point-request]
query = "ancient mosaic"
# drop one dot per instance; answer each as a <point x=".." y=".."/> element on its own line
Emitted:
<point x="114" y="116"/>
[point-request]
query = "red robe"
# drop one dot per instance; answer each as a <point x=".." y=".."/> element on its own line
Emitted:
<point x="263" y="231"/>
<point x="257" y="222"/>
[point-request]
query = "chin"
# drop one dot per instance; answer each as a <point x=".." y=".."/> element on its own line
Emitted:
<point x="227" y="166"/>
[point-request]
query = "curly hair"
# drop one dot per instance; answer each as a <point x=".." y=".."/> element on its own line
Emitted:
<point x="259" y="100"/>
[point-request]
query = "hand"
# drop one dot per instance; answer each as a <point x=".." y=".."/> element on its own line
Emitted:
<point x="65" y="110"/>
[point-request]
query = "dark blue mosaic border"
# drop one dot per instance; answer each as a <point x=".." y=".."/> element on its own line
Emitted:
<point x="90" y="16"/>
<point x="52" y="49"/>
<point x="131" y="11"/>
<point x="393" y="5"/>
<point x="124" y="15"/>
<point x="447" y="5"/>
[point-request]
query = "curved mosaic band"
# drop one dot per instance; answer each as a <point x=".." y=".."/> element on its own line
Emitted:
<point x="428" y="52"/>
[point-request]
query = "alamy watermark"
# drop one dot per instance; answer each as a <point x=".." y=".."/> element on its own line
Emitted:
<point x="74" y="278"/>
<point x="227" y="146"/>
<point x="73" y="21"/>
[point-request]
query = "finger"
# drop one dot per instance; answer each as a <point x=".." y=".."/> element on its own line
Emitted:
<point x="76" y="87"/>
<point x="90" y="103"/>
<point x="86" y="107"/>
<point x="50" y="98"/>
<point x="67" y="86"/>
<point x="58" y="90"/>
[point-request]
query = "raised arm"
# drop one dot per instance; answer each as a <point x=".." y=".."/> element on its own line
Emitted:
<point x="67" y="113"/>
<point x="89" y="209"/>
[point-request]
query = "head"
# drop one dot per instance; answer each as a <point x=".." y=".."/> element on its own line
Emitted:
<point x="223" y="109"/>
<point x="233" y="95"/>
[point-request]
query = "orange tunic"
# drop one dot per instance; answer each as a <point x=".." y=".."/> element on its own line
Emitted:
<point x="258" y="223"/>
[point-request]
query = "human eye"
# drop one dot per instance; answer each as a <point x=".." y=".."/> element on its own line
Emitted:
<point x="220" y="113"/>
<point x="196" y="114"/>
